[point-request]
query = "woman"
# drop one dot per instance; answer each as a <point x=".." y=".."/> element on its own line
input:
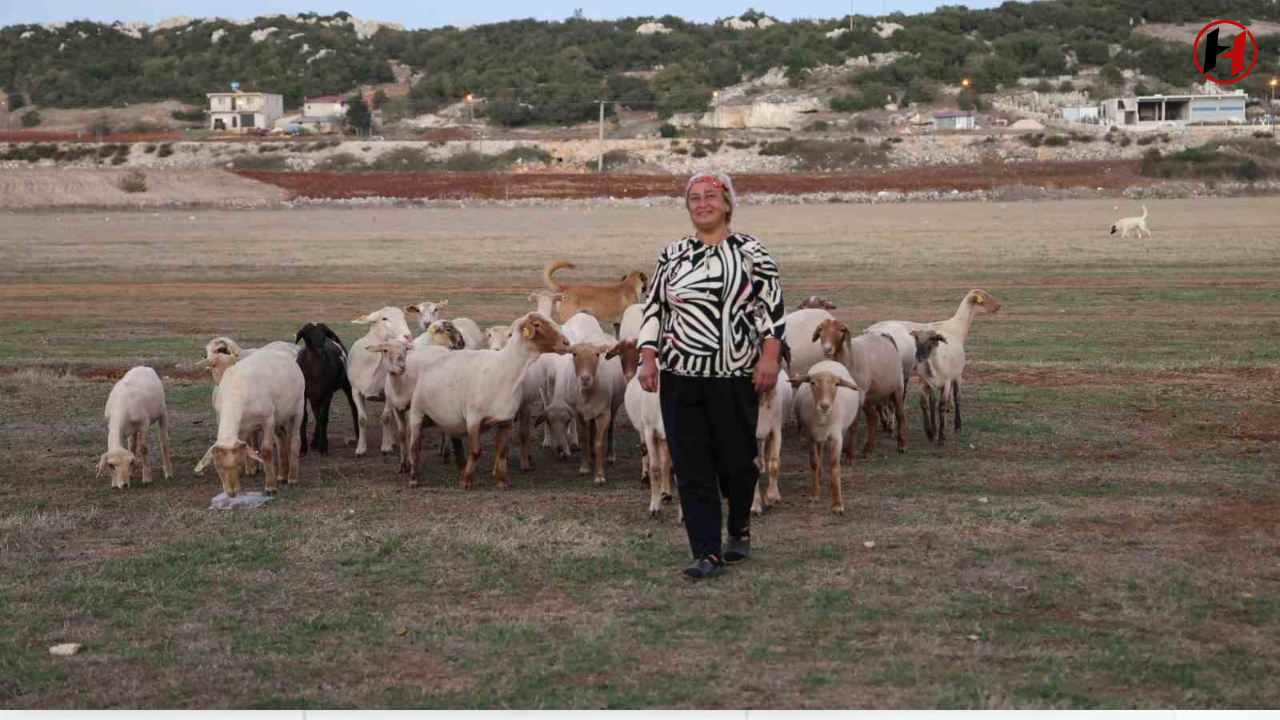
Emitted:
<point x="714" y="297"/>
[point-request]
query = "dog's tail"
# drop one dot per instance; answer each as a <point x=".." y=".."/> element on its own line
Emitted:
<point x="1144" y="212"/>
<point x="550" y="270"/>
<point x="1113" y="229"/>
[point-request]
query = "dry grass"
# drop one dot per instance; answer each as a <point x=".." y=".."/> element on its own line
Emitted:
<point x="1102" y="532"/>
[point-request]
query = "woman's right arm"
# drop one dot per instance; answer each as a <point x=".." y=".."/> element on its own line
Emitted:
<point x="651" y="325"/>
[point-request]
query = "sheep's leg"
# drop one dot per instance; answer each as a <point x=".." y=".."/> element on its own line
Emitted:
<point x="613" y="455"/>
<point x="584" y="431"/>
<point x="598" y="441"/>
<point x="646" y="465"/>
<point x="459" y="457"/>
<point x="473" y="455"/>
<point x="500" y="456"/>
<point x="267" y="451"/>
<point x="955" y="400"/>
<point x="939" y="403"/>
<point x="773" y="496"/>
<point x="283" y="450"/>
<point x="837" y="498"/>
<point x="926" y="409"/>
<point x="900" y="413"/>
<point x="294" y="449"/>
<point x="135" y="464"/>
<point x="351" y="402"/>
<point x="362" y="424"/>
<point x="319" y="440"/>
<point x="144" y="455"/>
<point x="815" y="470"/>
<point x="401" y="420"/>
<point x="757" y="508"/>
<point x="415" y="447"/>
<point x="524" y="430"/>
<point x="388" y="438"/>
<point x="166" y="450"/>
<point x="655" y="483"/>
<point x="873" y="429"/>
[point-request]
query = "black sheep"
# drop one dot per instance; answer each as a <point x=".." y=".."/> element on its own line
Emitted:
<point x="323" y="360"/>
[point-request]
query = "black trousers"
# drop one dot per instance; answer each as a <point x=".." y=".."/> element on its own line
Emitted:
<point x="711" y="431"/>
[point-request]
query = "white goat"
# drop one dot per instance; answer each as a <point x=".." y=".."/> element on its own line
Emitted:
<point x="465" y="392"/>
<point x="263" y="391"/>
<point x="1137" y="224"/>
<point x="135" y="403"/>
<point x="805" y="350"/>
<point x="365" y="370"/>
<point x="826" y="404"/>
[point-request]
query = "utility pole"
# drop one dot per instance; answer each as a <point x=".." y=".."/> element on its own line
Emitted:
<point x="600" y="161"/>
<point x="1272" y="109"/>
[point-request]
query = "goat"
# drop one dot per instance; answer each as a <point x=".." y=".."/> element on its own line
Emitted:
<point x="323" y="361"/>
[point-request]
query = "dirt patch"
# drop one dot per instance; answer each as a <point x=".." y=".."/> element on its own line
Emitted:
<point x="1052" y="378"/>
<point x="1234" y="515"/>
<point x="502" y="186"/>
<point x="99" y="188"/>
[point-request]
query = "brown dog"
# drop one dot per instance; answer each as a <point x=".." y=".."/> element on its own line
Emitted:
<point x="606" y="302"/>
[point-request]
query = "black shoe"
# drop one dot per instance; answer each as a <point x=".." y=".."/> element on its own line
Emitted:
<point x="703" y="568"/>
<point x="737" y="549"/>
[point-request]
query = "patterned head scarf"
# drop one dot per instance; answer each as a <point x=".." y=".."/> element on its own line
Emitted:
<point x="721" y="181"/>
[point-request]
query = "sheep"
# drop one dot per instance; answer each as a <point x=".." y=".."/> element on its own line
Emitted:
<point x="805" y="351"/>
<point x="263" y="391"/>
<point x="364" y="369"/>
<point x="471" y="332"/>
<point x="940" y="362"/>
<point x="544" y="302"/>
<point x="468" y="391"/>
<point x="403" y="363"/>
<point x="775" y="406"/>
<point x="873" y="363"/>
<point x="497" y="337"/>
<point x="135" y="403"/>
<point x="975" y="302"/>
<point x="217" y="365"/>
<point x="645" y="412"/>
<point x="580" y="326"/>
<point x="442" y="333"/>
<point x="1136" y="224"/>
<point x="826" y="405"/>
<point x="425" y="313"/>
<point x="593" y="386"/>
<point x="813" y="301"/>
<point x="534" y="398"/>
<point x="323" y="361"/>
<point x="606" y="302"/>
<point x="632" y="319"/>
<point x="557" y="415"/>
<point x="223" y="345"/>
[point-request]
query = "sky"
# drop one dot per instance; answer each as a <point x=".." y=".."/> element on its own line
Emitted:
<point x="429" y="15"/>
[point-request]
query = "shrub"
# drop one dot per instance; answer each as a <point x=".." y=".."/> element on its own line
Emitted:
<point x="615" y="159"/>
<point x="166" y="149"/>
<point x="1146" y="140"/>
<point x="187" y="115"/>
<point x="817" y="126"/>
<point x="269" y="162"/>
<point x="739" y="145"/>
<point x="865" y="124"/>
<point x="526" y="155"/>
<point x="30" y="118"/>
<point x="471" y="162"/>
<point x="667" y="130"/>
<point x="17" y="101"/>
<point x="149" y="148"/>
<point x="404" y="159"/>
<point x="680" y="150"/>
<point x="341" y="162"/>
<point x="1067" y="86"/>
<point x="133" y="181"/>
<point x="1056" y="141"/>
<point x="698" y="151"/>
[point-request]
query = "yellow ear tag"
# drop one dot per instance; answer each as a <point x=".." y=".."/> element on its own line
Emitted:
<point x="978" y="299"/>
<point x="431" y="330"/>
<point x="233" y="352"/>
<point x="527" y="332"/>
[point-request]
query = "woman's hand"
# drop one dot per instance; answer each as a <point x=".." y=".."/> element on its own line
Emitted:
<point x="765" y="376"/>
<point x="649" y="370"/>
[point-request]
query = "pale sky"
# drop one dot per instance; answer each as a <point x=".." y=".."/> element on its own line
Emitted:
<point x="414" y="15"/>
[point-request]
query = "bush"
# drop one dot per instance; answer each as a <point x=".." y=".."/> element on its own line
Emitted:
<point x="1238" y="160"/>
<point x="865" y="124"/>
<point x="165" y="150"/>
<point x="342" y="162"/>
<point x="1056" y="141"/>
<point x="133" y="181"/>
<point x="404" y="159"/>
<point x="739" y="145"/>
<point x="187" y="115"/>
<point x="1081" y="137"/>
<point x="698" y="151"/>
<point x="1044" y="87"/>
<point x="17" y="101"/>
<point x="1067" y="86"/>
<point x="149" y="148"/>
<point x="667" y="130"/>
<point x="1146" y="140"/>
<point x="526" y="156"/>
<point x="379" y="98"/>
<point x="1261" y="133"/>
<point x="269" y="162"/>
<point x="30" y="118"/>
<point x="812" y="155"/>
<point x="680" y="150"/>
<point x="818" y="126"/>
<point x="615" y="159"/>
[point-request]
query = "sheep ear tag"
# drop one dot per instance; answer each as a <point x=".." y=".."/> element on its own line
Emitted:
<point x="978" y="299"/>
<point x="431" y="331"/>
<point x="527" y="332"/>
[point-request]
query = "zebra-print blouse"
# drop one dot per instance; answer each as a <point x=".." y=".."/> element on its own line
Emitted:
<point x="710" y="306"/>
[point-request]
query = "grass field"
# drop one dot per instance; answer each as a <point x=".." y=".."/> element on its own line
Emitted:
<point x="1105" y="532"/>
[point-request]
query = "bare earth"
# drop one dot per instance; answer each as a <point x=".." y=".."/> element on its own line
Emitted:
<point x="76" y="188"/>
<point x="1101" y="533"/>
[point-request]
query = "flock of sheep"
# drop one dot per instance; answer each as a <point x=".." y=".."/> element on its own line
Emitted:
<point x="573" y="378"/>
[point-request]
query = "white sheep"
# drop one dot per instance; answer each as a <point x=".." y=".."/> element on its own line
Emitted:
<point x="425" y="313"/>
<point x="497" y="337"/>
<point x="826" y="404"/>
<point x="223" y="345"/>
<point x="581" y="327"/>
<point x="544" y="302"/>
<point x="476" y="339"/>
<point x="365" y="370"/>
<point x="805" y="350"/>
<point x="263" y="391"/>
<point x="775" y="407"/>
<point x="873" y="363"/>
<point x="403" y="364"/>
<point x="940" y="363"/>
<point x="467" y="391"/>
<point x="135" y="403"/>
<point x="644" y="409"/>
<point x="594" y="387"/>
<point x="632" y="319"/>
<point x="217" y="365"/>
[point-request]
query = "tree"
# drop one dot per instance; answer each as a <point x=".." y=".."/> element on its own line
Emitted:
<point x="379" y="99"/>
<point x="30" y="119"/>
<point x="17" y="101"/>
<point x="358" y="116"/>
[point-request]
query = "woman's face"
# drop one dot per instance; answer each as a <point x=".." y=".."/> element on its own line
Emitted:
<point x="707" y="207"/>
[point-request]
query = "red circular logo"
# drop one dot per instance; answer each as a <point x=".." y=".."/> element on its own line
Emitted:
<point x="1236" y="52"/>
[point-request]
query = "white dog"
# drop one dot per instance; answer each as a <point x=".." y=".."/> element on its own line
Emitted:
<point x="1137" y="224"/>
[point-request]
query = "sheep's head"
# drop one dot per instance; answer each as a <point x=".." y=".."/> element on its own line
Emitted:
<point x="833" y="336"/>
<point x="222" y="346"/>
<point x="824" y="386"/>
<point x="538" y="334"/>
<point x="557" y="418"/>
<point x="926" y="342"/>
<point x="386" y="325"/>
<point x="629" y="352"/>
<point x="228" y="459"/>
<point x="316" y="336"/>
<point x="121" y="463"/>
<point x="394" y="355"/>
<point x="425" y="313"/>
<point x="445" y="334"/>
<point x="982" y="300"/>
<point x="586" y="363"/>
<point x="498" y="336"/>
<point x="816" y="303"/>
<point x="217" y="365"/>
<point x="545" y="301"/>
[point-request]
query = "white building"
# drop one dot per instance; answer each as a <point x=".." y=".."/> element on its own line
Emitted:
<point x="954" y="120"/>
<point x="242" y="111"/>
<point x="324" y="106"/>
<point x="1081" y="114"/>
<point x="1175" y="109"/>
